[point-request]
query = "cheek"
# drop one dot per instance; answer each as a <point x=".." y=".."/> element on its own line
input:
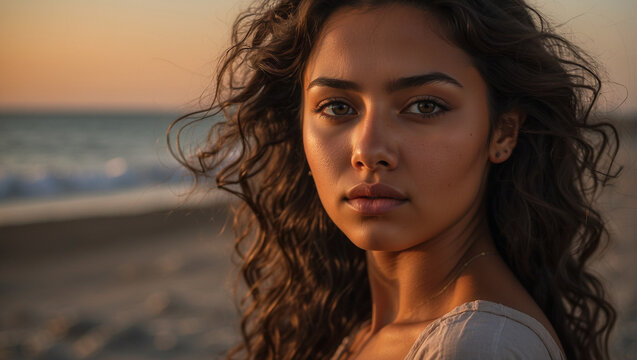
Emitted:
<point x="325" y="154"/>
<point x="318" y="151"/>
<point x="451" y="167"/>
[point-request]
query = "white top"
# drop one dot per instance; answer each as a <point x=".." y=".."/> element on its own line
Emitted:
<point x="483" y="330"/>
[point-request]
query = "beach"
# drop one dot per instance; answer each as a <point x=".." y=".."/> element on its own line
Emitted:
<point x="145" y="286"/>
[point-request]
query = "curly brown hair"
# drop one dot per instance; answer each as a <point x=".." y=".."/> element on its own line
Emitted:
<point x="307" y="286"/>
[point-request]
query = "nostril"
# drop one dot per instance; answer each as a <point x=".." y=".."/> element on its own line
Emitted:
<point x="380" y="163"/>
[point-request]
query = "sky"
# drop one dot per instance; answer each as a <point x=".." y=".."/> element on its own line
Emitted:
<point x="161" y="54"/>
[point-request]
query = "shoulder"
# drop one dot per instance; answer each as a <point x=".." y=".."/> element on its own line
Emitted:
<point x="485" y="330"/>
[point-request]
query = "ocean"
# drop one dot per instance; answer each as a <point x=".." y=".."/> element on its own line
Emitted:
<point x="56" y="157"/>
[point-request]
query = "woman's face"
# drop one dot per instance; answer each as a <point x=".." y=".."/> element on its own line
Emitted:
<point x="395" y="127"/>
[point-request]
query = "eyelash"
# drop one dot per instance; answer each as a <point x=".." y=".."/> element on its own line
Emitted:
<point x="320" y="108"/>
<point x="441" y="107"/>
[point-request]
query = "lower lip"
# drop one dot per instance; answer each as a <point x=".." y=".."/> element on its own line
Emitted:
<point x="374" y="207"/>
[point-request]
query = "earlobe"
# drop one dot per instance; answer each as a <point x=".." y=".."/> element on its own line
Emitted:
<point x="505" y="136"/>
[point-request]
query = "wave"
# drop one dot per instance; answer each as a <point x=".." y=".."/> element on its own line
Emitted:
<point x="114" y="175"/>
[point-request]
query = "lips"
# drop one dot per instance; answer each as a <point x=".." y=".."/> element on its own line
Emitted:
<point x="374" y="199"/>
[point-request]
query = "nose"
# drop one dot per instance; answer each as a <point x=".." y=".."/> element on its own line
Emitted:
<point x="374" y="144"/>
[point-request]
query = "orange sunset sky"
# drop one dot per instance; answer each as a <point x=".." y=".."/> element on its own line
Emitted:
<point x="160" y="54"/>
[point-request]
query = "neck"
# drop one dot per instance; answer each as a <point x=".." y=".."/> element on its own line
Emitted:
<point x="420" y="284"/>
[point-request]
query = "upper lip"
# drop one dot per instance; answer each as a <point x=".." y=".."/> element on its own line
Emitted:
<point x="378" y="190"/>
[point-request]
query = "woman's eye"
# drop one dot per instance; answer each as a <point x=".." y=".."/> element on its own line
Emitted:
<point x="337" y="109"/>
<point x="424" y="107"/>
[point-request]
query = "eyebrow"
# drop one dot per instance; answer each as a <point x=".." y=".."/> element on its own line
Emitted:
<point x="420" y="80"/>
<point x="392" y="86"/>
<point x="333" y="83"/>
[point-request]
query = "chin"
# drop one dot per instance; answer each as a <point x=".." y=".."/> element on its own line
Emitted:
<point x="379" y="241"/>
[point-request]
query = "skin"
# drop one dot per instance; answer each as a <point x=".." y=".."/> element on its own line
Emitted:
<point x="429" y="141"/>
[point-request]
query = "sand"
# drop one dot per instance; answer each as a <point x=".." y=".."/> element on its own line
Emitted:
<point x="121" y="287"/>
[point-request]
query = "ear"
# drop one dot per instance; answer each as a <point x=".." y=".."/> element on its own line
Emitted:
<point x="505" y="136"/>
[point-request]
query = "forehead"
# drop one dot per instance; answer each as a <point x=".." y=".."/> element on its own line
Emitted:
<point x="389" y="41"/>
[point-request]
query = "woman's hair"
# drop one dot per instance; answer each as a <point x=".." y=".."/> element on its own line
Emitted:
<point x="307" y="286"/>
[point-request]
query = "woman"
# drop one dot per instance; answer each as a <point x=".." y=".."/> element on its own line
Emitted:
<point x="416" y="181"/>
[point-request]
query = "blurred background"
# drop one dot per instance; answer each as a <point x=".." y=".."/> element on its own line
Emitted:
<point x="101" y="254"/>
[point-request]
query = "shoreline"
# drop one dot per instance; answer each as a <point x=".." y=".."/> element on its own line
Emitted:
<point x="127" y="202"/>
